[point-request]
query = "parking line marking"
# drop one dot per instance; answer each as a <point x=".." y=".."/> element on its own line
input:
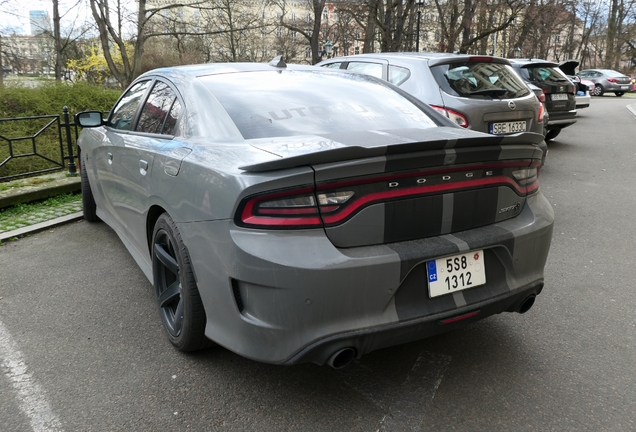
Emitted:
<point x="31" y="398"/>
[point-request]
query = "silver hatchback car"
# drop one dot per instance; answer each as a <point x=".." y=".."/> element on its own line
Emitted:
<point x="481" y="93"/>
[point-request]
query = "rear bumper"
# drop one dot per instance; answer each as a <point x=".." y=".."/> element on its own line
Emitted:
<point x="287" y="297"/>
<point x="583" y="101"/>
<point x="561" y="119"/>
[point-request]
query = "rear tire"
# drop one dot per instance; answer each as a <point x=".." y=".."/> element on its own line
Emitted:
<point x="88" y="201"/>
<point x="552" y="134"/>
<point x="619" y="94"/>
<point x="598" y="90"/>
<point x="180" y="305"/>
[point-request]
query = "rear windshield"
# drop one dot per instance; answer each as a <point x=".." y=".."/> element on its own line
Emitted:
<point x="544" y="74"/>
<point x="613" y="73"/>
<point x="266" y="104"/>
<point x="479" y="80"/>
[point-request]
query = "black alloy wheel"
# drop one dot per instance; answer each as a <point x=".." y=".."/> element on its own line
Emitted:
<point x="552" y="134"/>
<point x="180" y="305"/>
<point x="88" y="200"/>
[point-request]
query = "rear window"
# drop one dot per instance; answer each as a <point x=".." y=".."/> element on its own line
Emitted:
<point x="544" y="74"/>
<point x="613" y="73"/>
<point x="266" y="104"/>
<point x="479" y="80"/>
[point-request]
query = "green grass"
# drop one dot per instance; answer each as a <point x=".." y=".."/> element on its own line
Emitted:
<point x="22" y="215"/>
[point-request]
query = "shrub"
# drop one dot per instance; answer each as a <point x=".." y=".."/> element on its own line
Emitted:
<point x="46" y="99"/>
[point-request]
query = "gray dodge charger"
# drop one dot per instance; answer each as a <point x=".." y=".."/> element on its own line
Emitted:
<point x="296" y="214"/>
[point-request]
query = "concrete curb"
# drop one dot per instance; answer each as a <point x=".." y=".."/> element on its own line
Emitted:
<point x="632" y="108"/>
<point x="41" y="226"/>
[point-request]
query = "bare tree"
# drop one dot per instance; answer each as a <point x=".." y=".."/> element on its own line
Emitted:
<point x="312" y="29"/>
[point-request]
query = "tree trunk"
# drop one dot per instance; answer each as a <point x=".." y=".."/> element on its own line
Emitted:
<point x="58" y="40"/>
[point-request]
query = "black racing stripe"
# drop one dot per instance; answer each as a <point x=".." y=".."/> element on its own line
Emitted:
<point x="496" y="283"/>
<point x="465" y="204"/>
<point x="473" y="155"/>
<point x="487" y="236"/>
<point x="414" y="252"/>
<point x="488" y="140"/>
<point x="418" y="147"/>
<point x="413" y="218"/>
<point x="412" y="299"/>
<point x="410" y="161"/>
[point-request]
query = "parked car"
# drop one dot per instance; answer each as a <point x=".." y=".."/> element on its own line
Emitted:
<point x="293" y="224"/>
<point x="481" y="93"/>
<point x="559" y="91"/>
<point x="606" y="80"/>
<point x="583" y="86"/>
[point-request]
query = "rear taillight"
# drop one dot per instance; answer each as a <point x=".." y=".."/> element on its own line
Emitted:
<point x="283" y="209"/>
<point x="331" y="204"/>
<point x="541" y="97"/>
<point x="541" y="113"/>
<point x="612" y="80"/>
<point x="528" y="178"/>
<point x="455" y="116"/>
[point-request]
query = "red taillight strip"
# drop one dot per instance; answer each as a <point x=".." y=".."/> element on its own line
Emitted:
<point x="279" y="221"/>
<point x="421" y="190"/>
<point x="288" y="211"/>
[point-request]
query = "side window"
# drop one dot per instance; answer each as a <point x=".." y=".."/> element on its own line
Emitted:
<point x="155" y="111"/>
<point x="123" y="113"/>
<point x="335" y="65"/>
<point x="398" y="74"/>
<point x="170" y="125"/>
<point x="373" y="69"/>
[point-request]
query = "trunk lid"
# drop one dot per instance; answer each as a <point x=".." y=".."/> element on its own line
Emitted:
<point x="373" y="193"/>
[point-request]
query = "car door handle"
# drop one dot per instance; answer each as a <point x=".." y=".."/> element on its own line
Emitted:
<point x="143" y="167"/>
<point x="110" y="158"/>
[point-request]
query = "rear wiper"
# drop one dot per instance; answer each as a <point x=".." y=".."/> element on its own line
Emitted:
<point x="489" y="92"/>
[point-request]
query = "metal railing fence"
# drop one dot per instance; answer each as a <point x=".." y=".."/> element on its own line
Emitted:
<point x="49" y="148"/>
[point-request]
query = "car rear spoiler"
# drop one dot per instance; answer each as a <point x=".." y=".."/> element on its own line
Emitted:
<point x="347" y="152"/>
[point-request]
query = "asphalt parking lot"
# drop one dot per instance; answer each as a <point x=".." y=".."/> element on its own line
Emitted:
<point x="82" y="348"/>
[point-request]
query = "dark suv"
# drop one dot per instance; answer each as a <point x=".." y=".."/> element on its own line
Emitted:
<point x="559" y="92"/>
<point x="482" y="93"/>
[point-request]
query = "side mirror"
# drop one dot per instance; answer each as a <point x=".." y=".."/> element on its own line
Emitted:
<point x="89" y="119"/>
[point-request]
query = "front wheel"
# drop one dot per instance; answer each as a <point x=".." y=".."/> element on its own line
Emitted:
<point x="552" y="134"/>
<point x="180" y="305"/>
<point x="619" y="94"/>
<point x="598" y="90"/>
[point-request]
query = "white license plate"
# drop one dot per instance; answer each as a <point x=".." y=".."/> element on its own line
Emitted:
<point x="456" y="273"/>
<point x="507" y="127"/>
<point x="559" y="96"/>
<point x="624" y="87"/>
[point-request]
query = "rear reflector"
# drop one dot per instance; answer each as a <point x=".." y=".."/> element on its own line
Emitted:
<point x="459" y="318"/>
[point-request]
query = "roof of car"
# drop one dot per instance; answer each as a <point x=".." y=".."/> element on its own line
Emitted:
<point x="198" y="70"/>
<point x="437" y="57"/>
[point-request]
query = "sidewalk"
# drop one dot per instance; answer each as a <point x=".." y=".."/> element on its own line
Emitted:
<point x="20" y="223"/>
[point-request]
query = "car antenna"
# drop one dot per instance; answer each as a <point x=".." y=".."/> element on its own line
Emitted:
<point x="278" y="62"/>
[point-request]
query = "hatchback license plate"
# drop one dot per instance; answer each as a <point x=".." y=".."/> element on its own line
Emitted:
<point x="559" y="96"/>
<point x="456" y="273"/>
<point x="507" y="127"/>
